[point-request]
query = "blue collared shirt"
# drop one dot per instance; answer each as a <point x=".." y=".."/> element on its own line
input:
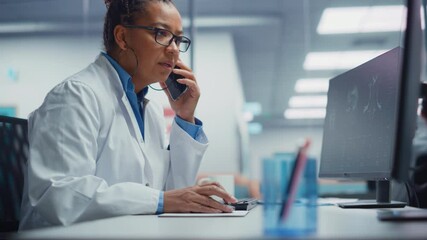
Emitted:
<point x="136" y="100"/>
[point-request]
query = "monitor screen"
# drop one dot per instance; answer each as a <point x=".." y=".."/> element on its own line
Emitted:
<point x="361" y="120"/>
<point x="371" y="116"/>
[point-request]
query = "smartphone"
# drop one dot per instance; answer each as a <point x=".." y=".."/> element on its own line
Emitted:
<point x="175" y="88"/>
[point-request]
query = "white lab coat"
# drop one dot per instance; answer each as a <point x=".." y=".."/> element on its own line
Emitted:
<point x="88" y="159"/>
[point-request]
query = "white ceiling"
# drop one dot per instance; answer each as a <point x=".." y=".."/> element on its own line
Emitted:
<point x="270" y="46"/>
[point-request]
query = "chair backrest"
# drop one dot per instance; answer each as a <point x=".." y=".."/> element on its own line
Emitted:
<point x="13" y="158"/>
<point x="419" y="181"/>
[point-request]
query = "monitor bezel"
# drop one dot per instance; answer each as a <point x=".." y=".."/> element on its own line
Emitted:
<point x="410" y="88"/>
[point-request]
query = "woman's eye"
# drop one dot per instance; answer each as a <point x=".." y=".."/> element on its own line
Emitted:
<point x="163" y="33"/>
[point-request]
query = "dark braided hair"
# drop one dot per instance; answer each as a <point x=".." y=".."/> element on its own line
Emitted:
<point x="122" y="12"/>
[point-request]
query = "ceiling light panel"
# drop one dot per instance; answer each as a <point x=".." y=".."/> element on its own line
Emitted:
<point x="362" y="19"/>
<point x="305" y="113"/>
<point x="28" y="27"/>
<point x="308" y="101"/>
<point x="312" y="85"/>
<point x="338" y="60"/>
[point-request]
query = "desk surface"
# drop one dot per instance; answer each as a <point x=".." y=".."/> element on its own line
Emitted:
<point x="333" y="222"/>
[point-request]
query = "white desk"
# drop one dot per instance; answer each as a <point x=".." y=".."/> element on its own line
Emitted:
<point x="333" y="222"/>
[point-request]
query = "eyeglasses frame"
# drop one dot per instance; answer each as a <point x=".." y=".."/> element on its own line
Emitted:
<point x="156" y="30"/>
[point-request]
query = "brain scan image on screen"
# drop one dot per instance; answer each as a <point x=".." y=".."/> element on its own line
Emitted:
<point x="374" y="104"/>
<point x="352" y="99"/>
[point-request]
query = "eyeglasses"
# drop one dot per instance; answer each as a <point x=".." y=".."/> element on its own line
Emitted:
<point x="165" y="37"/>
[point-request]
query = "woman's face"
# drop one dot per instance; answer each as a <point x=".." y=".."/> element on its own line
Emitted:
<point x="155" y="61"/>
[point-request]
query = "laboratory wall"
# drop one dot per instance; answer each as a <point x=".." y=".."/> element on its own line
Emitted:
<point x="31" y="66"/>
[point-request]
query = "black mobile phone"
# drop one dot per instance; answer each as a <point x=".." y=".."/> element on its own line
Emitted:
<point x="175" y="88"/>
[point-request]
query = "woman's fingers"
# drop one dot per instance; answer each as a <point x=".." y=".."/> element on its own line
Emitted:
<point x="217" y="190"/>
<point x="189" y="200"/>
<point x="199" y="208"/>
<point x="193" y="88"/>
<point x="208" y="202"/>
<point x="185" y="73"/>
<point x="206" y="182"/>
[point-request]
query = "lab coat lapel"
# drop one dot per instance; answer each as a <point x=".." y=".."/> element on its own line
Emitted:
<point x="148" y="173"/>
<point x="120" y="93"/>
<point x="131" y="120"/>
<point x="157" y="154"/>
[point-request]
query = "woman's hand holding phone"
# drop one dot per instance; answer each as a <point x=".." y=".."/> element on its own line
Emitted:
<point x="184" y="106"/>
<point x="175" y="88"/>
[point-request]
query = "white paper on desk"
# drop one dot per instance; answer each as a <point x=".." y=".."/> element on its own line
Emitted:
<point x="232" y="214"/>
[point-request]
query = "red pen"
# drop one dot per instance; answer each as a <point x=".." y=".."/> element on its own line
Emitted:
<point x="291" y="189"/>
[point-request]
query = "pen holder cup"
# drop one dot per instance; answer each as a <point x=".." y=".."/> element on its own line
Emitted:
<point x="300" y="217"/>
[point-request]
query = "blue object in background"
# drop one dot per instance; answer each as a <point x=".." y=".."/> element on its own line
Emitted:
<point x="12" y="74"/>
<point x="255" y="128"/>
<point x="8" y="111"/>
<point x="302" y="218"/>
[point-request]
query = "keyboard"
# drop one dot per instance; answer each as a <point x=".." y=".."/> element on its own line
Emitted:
<point x="244" y="204"/>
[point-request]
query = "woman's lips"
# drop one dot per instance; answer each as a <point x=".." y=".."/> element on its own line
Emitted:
<point x="166" y="65"/>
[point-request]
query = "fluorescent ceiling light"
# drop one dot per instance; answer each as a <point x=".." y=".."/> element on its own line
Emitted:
<point x="248" y="116"/>
<point x="305" y="113"/>
<point x="200" y="22"/>
<point x="362" y="19"/>
<point x="28" y="27"/>
<point x="236" y="21"/>
<point x="312" y="85"/>
<point x="308" y="101"/>
<point x="338" y="60"/>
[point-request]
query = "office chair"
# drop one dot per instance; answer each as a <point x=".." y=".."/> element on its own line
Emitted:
<point x="419" y="181"/>
<point x="13" y="158"/>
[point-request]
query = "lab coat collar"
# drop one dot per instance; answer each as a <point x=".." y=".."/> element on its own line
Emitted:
<point x="113" y="76"/>
<point x="126" y="78"/>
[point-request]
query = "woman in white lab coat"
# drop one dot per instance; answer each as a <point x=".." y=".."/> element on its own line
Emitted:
<point x="97" y="145"/>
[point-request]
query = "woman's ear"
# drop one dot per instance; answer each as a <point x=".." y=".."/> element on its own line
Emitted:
<point x="119" y="36"/>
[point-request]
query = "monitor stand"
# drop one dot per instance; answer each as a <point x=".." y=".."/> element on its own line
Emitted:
<point x="382" y="201"/>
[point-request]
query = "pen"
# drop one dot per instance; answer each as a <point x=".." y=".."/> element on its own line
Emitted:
<point x="290" y="191"/>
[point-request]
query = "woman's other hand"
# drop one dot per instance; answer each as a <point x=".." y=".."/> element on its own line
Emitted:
<point x="197" y="199"/>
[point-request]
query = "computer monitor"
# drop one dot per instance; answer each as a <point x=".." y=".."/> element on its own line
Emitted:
<point x="371" y="117"/>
